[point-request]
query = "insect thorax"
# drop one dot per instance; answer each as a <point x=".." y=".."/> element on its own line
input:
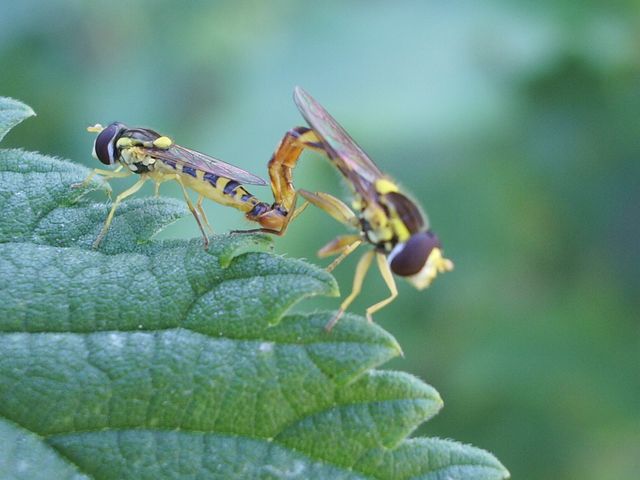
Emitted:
<point x="392" y="219"/>
<point x="136" y="161"/>
<point x="375" y="226"/>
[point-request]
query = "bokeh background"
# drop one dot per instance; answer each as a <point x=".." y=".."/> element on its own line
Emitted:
<point x="516" y="124"/>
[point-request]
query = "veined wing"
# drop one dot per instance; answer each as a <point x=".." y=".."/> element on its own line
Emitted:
<point x="352" y="161"/>
<point x="200" y="161"/>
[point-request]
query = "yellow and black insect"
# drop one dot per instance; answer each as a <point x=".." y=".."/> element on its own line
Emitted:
<point x="384" y="215"/>
<point x="156" y="157"/>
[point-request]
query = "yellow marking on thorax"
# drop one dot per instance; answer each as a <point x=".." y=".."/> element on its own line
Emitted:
<point x="124" y="142"/>
<point x="379" y="223"/>
<point x="129" y="156"/>
<point x="162" y="142"/>
<point x="400" y="229"/>
<point x="384" y="186"/>
<point x="395" y="223"/>
<point x="383" y="227"/>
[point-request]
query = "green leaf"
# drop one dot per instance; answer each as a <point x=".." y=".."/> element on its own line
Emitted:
<point x="160" y="359"/>
<point x="12" y="112"/>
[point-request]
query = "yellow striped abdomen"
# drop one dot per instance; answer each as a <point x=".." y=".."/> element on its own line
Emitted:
<point x="219" y="189"/>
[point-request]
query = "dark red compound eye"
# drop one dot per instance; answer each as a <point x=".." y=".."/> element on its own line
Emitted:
<point x="105" y="145"/>
<point x="414" y="254"/>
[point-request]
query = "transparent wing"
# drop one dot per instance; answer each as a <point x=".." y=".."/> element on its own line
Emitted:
<point x="200" y="161"/>
<point x="350" y="159"/>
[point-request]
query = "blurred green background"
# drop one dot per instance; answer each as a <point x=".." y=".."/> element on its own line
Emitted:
<point x="516" y="125"/>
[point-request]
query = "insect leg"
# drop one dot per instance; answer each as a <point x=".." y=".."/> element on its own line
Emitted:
<point x="133" y="189"/>
<point x="337" y="245"/>
<point x="333" y="206"/>
<point x="385" y="271"/>
<point x="342" y="246"/>
<point x="107" y="174"/>
<point x="361" y="270"/>
<point x="156" y="191"/>
<point x="193" y="210"/>
<point x="299" y="210"/>
<point x="201" y="211"/>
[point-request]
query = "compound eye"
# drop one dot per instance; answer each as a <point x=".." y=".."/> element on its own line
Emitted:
<point x="105" y="144"/>
<point x="413" y="255"/>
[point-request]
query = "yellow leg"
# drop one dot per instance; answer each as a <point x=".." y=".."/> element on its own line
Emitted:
<point x="134" y="188"/>
<point x="299" y="210"/>
<point x="342" y="246"/>
<point x="201" y="211"/>
<point x="156" y="191"/>
<point x="333" y="206"/>
<point x="193" y="210"/>
<point x="338" y="245"/>
<point x="345" y="253"/>
<point x="361" y="271"/>
<point x="385" y="271"/>
<point x="107" y="174"/>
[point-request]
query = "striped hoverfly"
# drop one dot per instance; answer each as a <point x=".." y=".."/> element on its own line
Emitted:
<point x="156" y="157"/>
<point x="384" y="216"/>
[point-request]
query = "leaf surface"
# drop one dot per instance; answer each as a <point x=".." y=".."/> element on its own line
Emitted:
<point x="159" y="359"/>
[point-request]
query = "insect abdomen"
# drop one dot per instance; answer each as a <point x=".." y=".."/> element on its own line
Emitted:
<point x="237" y="192"/>
<point x="214" y="187"/>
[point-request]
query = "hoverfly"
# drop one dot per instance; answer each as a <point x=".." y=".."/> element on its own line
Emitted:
<point x="156" y="157"/>
<point x="384" y="216"/>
